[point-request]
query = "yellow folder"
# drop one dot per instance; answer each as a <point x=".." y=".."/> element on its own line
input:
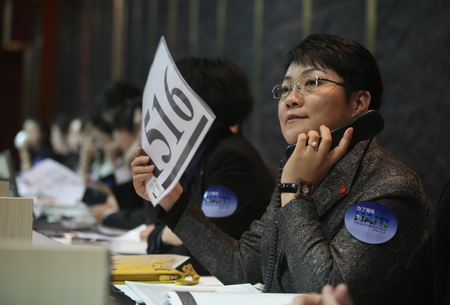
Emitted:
<point x="155" y="273"/>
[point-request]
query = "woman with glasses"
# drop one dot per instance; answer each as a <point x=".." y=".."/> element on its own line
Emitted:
<point x="346" y="215"/>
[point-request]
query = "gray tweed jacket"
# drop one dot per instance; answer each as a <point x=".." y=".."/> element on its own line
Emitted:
<point x="309" y="241"/>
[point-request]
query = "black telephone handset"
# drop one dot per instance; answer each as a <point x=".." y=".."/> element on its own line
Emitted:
<point x="365" y="126"/>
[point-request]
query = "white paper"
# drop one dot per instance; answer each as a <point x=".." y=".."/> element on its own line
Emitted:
<point x="170" y="260"/>
<point x="235" y="298"/>
<point x="129" y="242"/>
<point x="127" y="247"/>
<point x="125" y="289"/>
<point x="174" y="122"/>
<point x="157" y="294"/>
<point x="50" y="179"/>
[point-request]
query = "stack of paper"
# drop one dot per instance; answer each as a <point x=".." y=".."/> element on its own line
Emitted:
<point x="160" y="294"/>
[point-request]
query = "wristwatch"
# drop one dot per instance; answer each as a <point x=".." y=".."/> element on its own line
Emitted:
<point x="301" y="189"/>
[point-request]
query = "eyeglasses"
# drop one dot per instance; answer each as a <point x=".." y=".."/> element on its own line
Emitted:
<point x="303" y="85"/>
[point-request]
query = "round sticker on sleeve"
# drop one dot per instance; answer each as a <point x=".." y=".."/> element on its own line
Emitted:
<point x="371" y="222"/>
<point x="219" y="201"/>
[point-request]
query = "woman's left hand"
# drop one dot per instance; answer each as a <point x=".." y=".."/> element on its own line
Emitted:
<point x="312" y="159"/>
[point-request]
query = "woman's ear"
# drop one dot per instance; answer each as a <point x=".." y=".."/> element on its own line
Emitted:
<point x="361" y="101"/>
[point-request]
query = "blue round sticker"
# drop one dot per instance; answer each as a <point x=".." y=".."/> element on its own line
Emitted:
<point x="219" y="201"/>
<point x="371" y="222"/>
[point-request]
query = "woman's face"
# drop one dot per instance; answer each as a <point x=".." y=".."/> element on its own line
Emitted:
<point x="58" y="140"/>
<point x="124" y="138"/>
<point x="325" y="105"/>
<point x="74" y="135"/>
<point x="34" y="134"/>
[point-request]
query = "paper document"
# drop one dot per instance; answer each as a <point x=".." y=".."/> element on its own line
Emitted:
<point x="227" y="298"/>
<point x="158" y="294"/>
<point x="50" y="179"/>
<point x="129" y="242"/>
<point x="174" y="122"/>
<point x="170" y="260"/>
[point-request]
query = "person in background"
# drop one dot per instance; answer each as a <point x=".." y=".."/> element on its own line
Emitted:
<point x="348" y="214"/>
<point x="127" y="131"/>
<point x="102" y="158"/>
<point x="126" y="210"/>
<point x="64" y="138"/>
<point x="112" y="96"/>
<point x="226" y="179"/>
<point x="74" y="141"/>
<point x="424" y="281"/>
<point x="89" y="152"/>
<point x="33" y="143"/>
<point x="108" y="155"/>
<point x="102" y="152"/>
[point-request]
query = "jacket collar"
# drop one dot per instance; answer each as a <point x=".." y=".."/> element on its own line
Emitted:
<point x="337" y="184"/>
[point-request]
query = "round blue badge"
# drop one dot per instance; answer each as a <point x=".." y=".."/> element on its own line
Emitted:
<point x="371" y="222"/>
<point x="219" y="201"/>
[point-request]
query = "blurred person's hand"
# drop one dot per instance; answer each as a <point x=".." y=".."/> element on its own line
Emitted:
<point x="144" y="234"/>
<point x="329" y="296"/>
<point x="101" y="210"/>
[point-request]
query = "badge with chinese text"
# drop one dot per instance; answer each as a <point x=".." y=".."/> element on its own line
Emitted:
<point x="371" y="222"/>
<point x="219" y="201"/>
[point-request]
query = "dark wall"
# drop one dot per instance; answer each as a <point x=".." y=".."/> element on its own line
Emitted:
<point x="13" y="42"/>
<point x="412" y="46"/>
<point x="413" y="52"/>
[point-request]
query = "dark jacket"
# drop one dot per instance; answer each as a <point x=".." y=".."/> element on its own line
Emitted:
<point x="307" y="244"/>
<point x="132" y="208"/>
<point x="230" y="162"/>
<point x="426" y="279"/>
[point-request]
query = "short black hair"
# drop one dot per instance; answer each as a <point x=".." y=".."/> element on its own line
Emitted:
<point x="222" y="84"/>
<point x="99" y="123"/>
<point x="114" y="94"/>
<point x="124" y="117"/>
<point x="62" y="122"/>
<point x="350" y="60"/>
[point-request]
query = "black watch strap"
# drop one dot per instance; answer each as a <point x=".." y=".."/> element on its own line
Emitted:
<point x="301" y="189"/>
<point x="288" y="187"/>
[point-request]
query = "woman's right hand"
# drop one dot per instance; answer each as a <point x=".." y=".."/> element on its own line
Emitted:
<point x="141" y="172"/>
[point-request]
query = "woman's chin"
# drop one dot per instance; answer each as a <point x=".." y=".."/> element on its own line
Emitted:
<point x="291" y="140"/>
<point x="291" y="136"/>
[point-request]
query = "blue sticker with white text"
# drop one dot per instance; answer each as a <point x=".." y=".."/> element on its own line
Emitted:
<point x="219" y="201"/>
<point x="371" y="222"/>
